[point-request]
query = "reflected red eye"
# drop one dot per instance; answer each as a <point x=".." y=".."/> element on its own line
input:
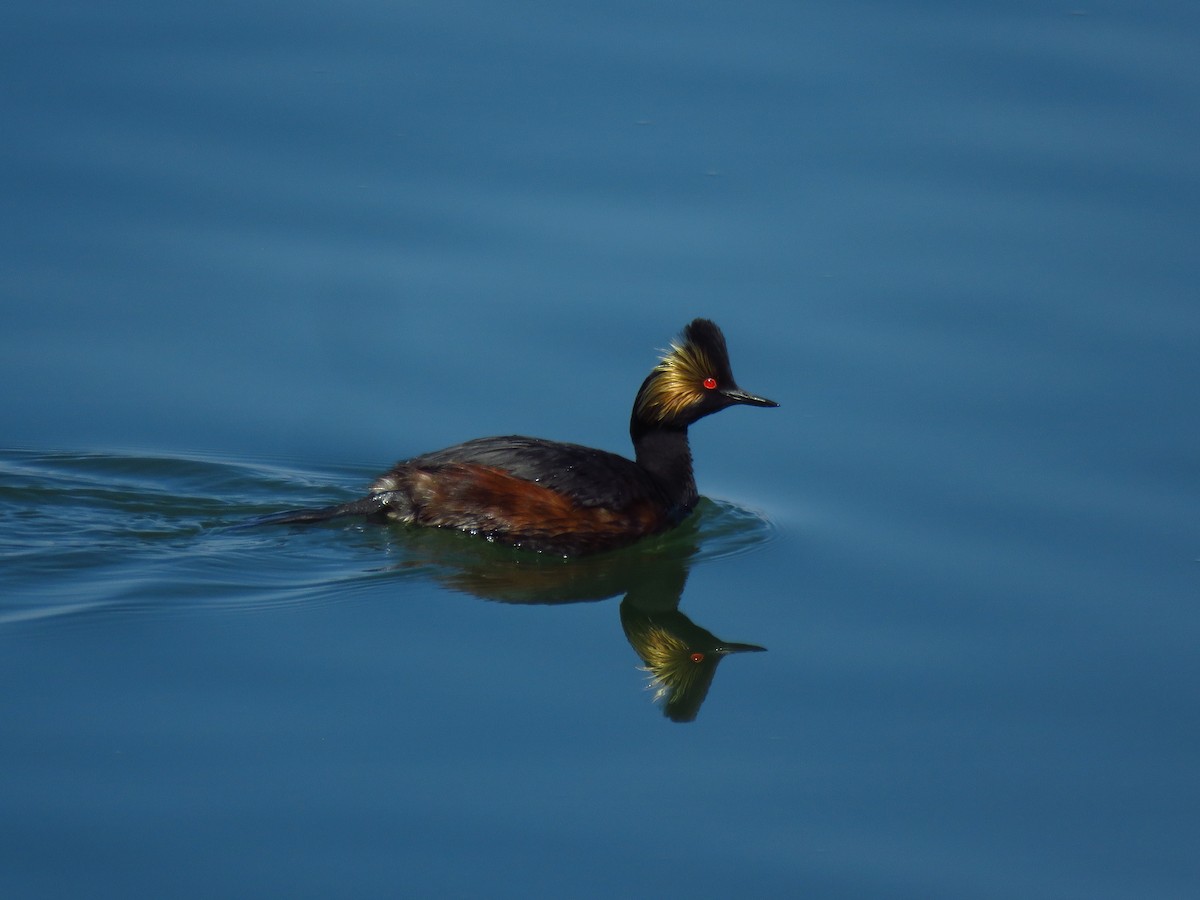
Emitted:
<point x="698" y="657"/>
<point x="710" y="383"/>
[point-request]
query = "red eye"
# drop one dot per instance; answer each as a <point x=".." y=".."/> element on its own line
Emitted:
<point x="698" y="657"/>
<point x="710" y="383"/>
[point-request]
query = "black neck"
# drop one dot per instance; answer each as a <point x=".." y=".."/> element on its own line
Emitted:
<point x="665" y="454"/>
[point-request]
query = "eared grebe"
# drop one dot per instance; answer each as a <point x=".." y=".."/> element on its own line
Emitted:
<point x="564" y="498"/>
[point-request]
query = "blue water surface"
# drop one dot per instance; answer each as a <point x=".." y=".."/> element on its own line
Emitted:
<point x="254" y="253"/>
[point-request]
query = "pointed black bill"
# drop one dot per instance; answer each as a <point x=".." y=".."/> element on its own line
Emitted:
<point x="737" y="395"/>
<point x="730" y="647"/>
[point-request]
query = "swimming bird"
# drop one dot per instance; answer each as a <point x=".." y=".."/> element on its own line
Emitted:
<point x="565" y="498"/>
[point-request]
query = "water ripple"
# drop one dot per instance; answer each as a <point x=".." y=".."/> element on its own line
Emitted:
<point x="82" y="532"/>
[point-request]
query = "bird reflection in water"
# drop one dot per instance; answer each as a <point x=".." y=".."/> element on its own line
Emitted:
<point x="680" y="656"/>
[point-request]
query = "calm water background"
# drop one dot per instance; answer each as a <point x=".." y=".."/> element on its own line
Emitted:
<point x="253" y="253"/>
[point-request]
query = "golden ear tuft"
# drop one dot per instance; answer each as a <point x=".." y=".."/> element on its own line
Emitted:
<point x="678" y="382"/>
